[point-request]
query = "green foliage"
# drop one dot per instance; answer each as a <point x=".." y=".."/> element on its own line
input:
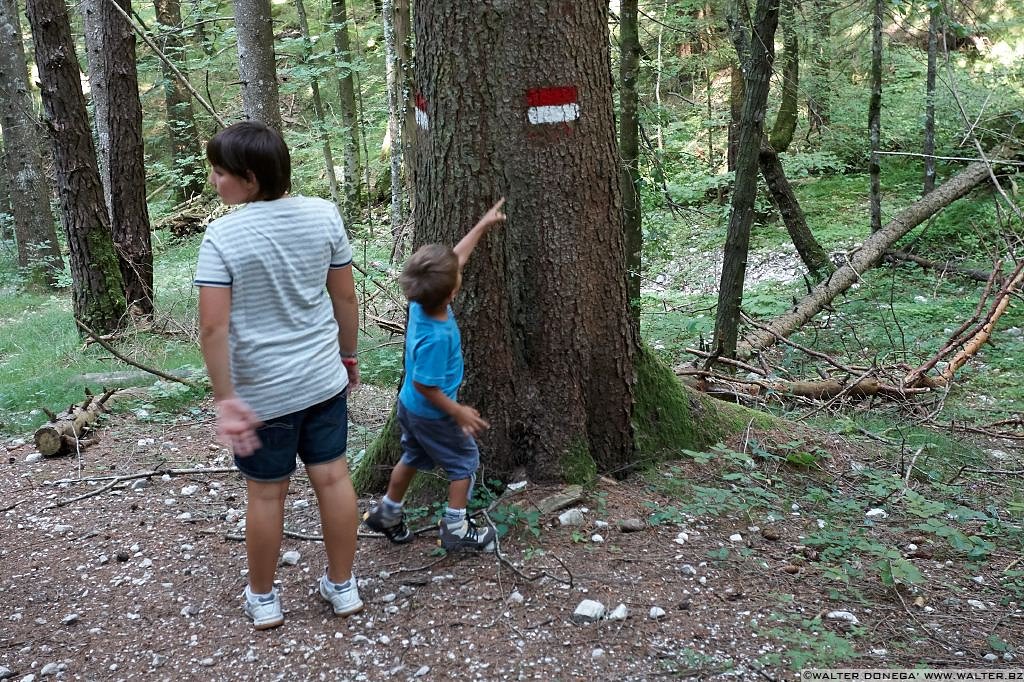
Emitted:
<point x="508" y="518"/>
<point x="807" y="642"/>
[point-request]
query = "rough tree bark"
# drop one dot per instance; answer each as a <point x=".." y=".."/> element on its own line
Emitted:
<point x="520" y="105"/>
<point x="928" y="148"/>
<point x="181" y="120"/>
<point x="28" y="185"/>
<point x="629" y="147"/>
<point x="868" y="255"/>
<point x="256" y="68"/>
<point x="735" y="115"/>
<point x="97" y="292"/>
<point x="347" y="107"/>
<point x="118" y="118"/>
<point x="756" y="81"/>
<point x="875" y="116"/>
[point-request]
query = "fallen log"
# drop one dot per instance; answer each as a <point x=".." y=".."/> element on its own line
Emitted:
<point x="866" y="257"/>
<point x="64" y="432"/>
<point x="970" y="273"/>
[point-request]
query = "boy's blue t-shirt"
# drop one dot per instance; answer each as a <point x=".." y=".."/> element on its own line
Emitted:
<point x="433" y="357"/>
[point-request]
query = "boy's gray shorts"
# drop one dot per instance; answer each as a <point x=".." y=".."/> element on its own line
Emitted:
<point x="429" y="443"/>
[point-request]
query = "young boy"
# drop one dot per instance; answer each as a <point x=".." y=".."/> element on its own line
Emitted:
<point x="437" y="431"/>
<point x="281" y="354"/>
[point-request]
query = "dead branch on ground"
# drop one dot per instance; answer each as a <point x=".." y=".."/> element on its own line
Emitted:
<point x="64" y="432"/>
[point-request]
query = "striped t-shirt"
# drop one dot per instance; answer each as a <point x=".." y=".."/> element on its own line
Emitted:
<point x="274" y="256"/>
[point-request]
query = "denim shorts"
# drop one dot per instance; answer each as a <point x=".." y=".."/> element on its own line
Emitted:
<point x="317" y="434"/>
<point x="429" y="443"/>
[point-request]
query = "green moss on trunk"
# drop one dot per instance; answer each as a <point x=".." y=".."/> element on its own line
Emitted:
<point x="669" y="417"/>
<point x="577" y="464"/>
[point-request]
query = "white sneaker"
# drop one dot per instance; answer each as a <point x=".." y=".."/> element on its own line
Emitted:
<point x="264" y="611"/>
<point x="345" y="602"/>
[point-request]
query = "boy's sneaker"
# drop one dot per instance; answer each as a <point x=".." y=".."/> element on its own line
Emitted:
<point x="264" y="611"/>
<point x="467" y="536"/>
<point x="395" y="531"/>
<point x="345" y="602"/>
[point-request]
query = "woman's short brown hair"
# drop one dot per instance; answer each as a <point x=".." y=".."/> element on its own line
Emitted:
<point x="430" y="275"/>
<point x="252" y="147"/>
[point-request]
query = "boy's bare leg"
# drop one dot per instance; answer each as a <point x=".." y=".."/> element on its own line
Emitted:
<point x="401" y="477"/>
<point x="339" y="516"/>
<point x="458" y="493"/>
<point x="264" y="526"/>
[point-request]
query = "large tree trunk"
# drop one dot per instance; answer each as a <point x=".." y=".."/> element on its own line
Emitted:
<point x="629" y="147"/>
<point x="96" y="279"/>
<point x="929" y="98"/>
<point x="347" y="107"/>
<point x="875" y="116"/>
<point x="28" y="184"/>
<point x="757" y="75"/>
<point x="181" y="120"/>
<point x="118" y="116"/>
<point x="256" y="68"/>
<point x="519" y="103"/>
<point x="867" y="256"/>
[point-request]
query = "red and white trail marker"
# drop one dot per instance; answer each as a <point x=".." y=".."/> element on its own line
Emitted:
<point x="421" y="112"/>
<point x="552" y="105"/>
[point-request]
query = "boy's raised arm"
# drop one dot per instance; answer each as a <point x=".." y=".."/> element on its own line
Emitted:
<point x="466" y="245"/>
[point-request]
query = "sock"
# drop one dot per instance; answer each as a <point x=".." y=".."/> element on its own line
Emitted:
<point x="454" y="517"/>
<point x="256" y="597"/>
<point x="337" y="587"/>
<point x="392" y="510"/>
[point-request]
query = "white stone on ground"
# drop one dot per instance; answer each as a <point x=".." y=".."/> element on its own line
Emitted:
<point x="620" y="613"/>
<point x="842" y="615"/>
<point x="571" y="517"/>
<point x="588" y="611"/>
<point x="656" y="612"/>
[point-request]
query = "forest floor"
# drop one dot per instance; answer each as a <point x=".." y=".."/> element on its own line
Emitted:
<point x="144" y="580"/>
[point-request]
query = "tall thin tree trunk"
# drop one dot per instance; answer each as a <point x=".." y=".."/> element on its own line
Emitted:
<point x="756" y="82"/>
<point x="28" y="184"/>
<point x="785" y="120"/>
<point x="629" y="147"/>
<point x="395" y="125"/>
<point x="818" y="105"/>
<point x="404" y="80"/>
<point x="118" y="119"/>
<point x="875" y="116"/>
<point x="256" y="68"/>
<point x="929" y="97"/>
<point x="181" y="120"/>
<point x="347" y="108"/>
<point x="96" y="278"/>
<point x="736" y="97"/>
<point x="810" y="251"/>
<point x="318" y="105"/>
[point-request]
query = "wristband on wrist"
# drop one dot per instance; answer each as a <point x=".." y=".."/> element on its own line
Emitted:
<point x="348" y="355"/>
<point x="349" y="361"/>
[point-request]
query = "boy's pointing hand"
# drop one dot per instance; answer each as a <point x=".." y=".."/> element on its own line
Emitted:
<point x="494" y="214"/>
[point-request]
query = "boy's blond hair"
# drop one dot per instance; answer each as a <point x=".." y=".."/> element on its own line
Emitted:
<point x="430" y="275"/>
